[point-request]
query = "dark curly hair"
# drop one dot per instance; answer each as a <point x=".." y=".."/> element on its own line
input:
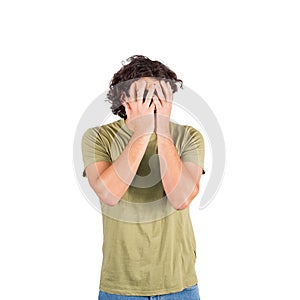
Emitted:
<point x="138" y="66"/>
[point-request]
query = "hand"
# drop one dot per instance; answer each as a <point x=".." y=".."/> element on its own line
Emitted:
<point x="163" y="104"/>
<point x="140" y="114"/>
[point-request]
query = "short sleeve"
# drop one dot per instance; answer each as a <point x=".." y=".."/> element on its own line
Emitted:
<point x="194" y="148"/>
<point x="93" y="148"/>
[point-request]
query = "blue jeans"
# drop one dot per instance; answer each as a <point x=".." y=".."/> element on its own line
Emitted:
<point x="189" y="293"/>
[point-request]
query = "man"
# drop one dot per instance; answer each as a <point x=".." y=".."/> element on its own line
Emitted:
<point x="149" y="248"/>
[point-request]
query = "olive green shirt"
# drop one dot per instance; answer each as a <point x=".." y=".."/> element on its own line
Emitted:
<point x="149" y="248"/>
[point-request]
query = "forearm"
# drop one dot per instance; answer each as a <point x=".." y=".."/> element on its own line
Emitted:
<point x="179" y="185"/>
<point x="112" y="184"/>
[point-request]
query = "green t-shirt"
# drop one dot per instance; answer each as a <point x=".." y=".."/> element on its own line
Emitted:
<point x="149" y="248"/>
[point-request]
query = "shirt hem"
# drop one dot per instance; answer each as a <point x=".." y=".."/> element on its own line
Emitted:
<point x="147" y="293"/>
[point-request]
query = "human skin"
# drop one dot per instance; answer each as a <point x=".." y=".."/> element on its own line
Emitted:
<point x="110" y="181"/>
<point x="180" y="180"/>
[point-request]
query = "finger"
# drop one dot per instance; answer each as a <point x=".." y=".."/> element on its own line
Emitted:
<point x="160" y="93"/>
<point x="123" y="97"/>
<point x="156" y="102"/>
<point x="127" y="109"/>
<point x="132" y="92"/>
<point x="152" y="107"/>
<point x="170" y="92"/>
<point x="150" y="94"/>
<point x="166" y="89"/>
<point x="140" y="86"/>
<point x="126" y="106"/>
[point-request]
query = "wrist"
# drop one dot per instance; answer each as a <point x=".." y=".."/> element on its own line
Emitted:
<point x="162" y="125"/>
<point x="164" y="137"/>
<point x="141" y="135"/>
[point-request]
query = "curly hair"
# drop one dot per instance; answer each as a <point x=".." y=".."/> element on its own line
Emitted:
<point x="138" y="66"/>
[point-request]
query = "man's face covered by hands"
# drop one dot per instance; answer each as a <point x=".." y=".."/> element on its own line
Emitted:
<point x="150" y="81"/>
<point x="144" y="84"/>
<point x="149" y="96"/>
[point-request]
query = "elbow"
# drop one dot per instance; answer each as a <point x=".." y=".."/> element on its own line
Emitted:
<point x="185" y="204"/>
<point x="189" y="199"/>
<point x="107" y="198"/>
<point x="105" y="195"/>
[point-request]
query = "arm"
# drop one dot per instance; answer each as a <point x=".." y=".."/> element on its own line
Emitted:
<point x="180" y="180"/>
<point x="111" y="180"/>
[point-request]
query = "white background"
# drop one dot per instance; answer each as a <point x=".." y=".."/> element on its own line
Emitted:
<point x="242" y="57"/>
